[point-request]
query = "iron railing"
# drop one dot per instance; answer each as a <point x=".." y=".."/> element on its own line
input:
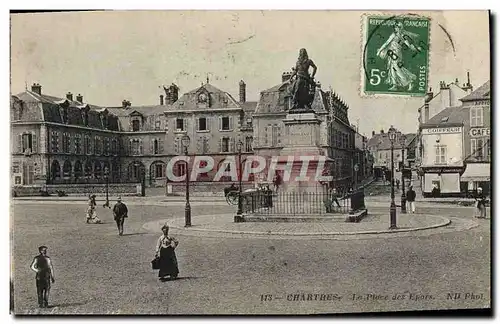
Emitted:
<point x="294" y="203"/>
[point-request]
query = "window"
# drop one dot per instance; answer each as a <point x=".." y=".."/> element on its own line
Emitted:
<point x="204" y="145"/>
<point x="202" y="124"/>
<point x="181" y="169"/>
<point x="54" y="141"/>
<point x="15" y="168"/>
<point x="275" y="135"/>
<point x="225" y="144"/>
<point x="476" y="148"/>
<point x="27" y="142"/>
<point x="156" y="147"/>
<point x="114" y="147"/>
<point x="440" y="154"/>
<point x="248" y="143"/>
<point x="179" y="125"/>
<point x="88" y="146"/>
<point x="157" y="124"/>
<point x="159" y="171"/>
<point x="476" y="116"/>
<point x="225" y="123"/>
<point x="488" y="149"/>
<point x="136" y="125"/>
<point x="97" y="145"/>
<point x="78" y="144"/>
<point x="66" y="142"/>
<point x="135" y="147"/>
<point x="106" y="146"/>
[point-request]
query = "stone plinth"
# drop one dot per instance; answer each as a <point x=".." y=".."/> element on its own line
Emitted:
<point x="302" y="145"/>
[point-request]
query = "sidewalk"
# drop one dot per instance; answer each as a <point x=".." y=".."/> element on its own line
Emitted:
<point x="372" y="226"/>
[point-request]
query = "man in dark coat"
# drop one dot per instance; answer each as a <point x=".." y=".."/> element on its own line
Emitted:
<point x="44" y="276"/>
<point x="410" y="199"/>
<point x="120" y="212"/>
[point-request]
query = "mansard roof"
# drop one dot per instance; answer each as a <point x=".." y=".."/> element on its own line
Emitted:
<point x="52" y="109"/>
<point x="272" y="100"/>
<point x="217" y="99"/>
<point x="481" y="93"/>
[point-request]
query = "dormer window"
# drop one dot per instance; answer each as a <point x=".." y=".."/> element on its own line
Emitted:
<point x="136" y="125"/>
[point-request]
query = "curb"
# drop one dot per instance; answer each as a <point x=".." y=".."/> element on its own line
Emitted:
<point x="445" y="221"/>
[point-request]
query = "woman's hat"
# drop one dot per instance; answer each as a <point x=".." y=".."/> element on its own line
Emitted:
<point x="164" y="226"/>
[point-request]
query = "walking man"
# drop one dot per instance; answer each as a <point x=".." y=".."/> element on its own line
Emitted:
<point x="120" y="212"/>
<point x="42" y="265"/>
<point x="410" y="198"/>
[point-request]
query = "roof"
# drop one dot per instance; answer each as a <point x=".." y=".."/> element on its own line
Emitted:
<point x="248" y="106"/>
<point x="382" y="142"/>
<point x="143" y="110"/>
<point x="481" y="93"/>
<point x="447" y="117"/>
<point x="273" y="100"/>
<point x="217" y="99"/>
<point x="52" y="108"/>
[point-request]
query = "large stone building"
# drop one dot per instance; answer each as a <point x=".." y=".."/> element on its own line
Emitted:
<point x="336" y="134"/>
<point x="64" y="141"/>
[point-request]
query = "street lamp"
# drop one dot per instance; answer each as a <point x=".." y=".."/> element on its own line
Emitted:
<point x="392" y="138"/>
<point x="239" y="146"/>
<point x="403" y="194"/>
<point x="106" y="177"/>
<point x="187" y="211"/>
<point x="142" y="177"/>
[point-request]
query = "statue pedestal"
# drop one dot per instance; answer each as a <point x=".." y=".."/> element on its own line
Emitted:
<point x="302" y="140"/>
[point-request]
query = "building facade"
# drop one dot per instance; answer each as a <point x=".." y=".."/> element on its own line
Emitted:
<point x="58" y="141"/>
<point x="336" y="133"/>
<point x="455" y="146"/>
<point x="379" y="146"/>
<point x="66" y="141"/>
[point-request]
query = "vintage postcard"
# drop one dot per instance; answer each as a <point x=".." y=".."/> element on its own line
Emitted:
<point x="250" y="162"/>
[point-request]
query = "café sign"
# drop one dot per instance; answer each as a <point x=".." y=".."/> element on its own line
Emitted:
<point x="442" y="130"/>
<point x="479" y="132"/>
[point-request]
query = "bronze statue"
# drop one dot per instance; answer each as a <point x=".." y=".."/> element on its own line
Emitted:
<point x="304" y="86"/>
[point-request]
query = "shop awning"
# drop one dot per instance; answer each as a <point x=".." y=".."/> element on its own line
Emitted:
<point x="476" y="172"/>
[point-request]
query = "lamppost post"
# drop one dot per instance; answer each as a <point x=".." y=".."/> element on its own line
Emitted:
<point x="106" y="177"/>
<point x="240" y="207"/>
<point x="187" y="209"/>
<point x="403" y="194"/>
<point x="392" y="137"/>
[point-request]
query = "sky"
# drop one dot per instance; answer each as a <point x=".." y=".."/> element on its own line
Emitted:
<point x="115" y="55"/>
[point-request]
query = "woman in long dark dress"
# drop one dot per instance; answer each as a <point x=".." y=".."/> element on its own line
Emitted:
<point x="165" y="249"/>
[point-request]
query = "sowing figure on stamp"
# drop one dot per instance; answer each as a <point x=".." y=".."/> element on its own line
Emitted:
<point x="303" y="87"/>
<point x="392" y="51"/>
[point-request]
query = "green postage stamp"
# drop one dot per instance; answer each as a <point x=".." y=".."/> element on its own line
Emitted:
<point x="395" y="55"/>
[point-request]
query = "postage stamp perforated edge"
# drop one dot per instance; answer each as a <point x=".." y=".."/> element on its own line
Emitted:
<point x="363" y="41"/>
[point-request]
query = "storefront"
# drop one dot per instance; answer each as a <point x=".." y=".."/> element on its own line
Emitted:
<point x="445" y="179"/>
<point x="476" y="175"/>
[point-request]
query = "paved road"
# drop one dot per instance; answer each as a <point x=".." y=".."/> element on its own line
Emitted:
<point x="99" y="272"/>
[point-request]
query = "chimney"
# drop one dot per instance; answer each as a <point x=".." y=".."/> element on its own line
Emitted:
<point x="126" y="103"/>
<point x="36" y="88"/>
<point x="79" y="98"/>
<point x="286" y="76"/>
<point x="373" y="133"/>
<point x="161" y="100"/>
<point x="174" y="90"/>
<point x="381" y="131"/>
<point x="69" y="96"/>
<point x="243" y="92"/>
